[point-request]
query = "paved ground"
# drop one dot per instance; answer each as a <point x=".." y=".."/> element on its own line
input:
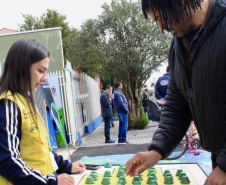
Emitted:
<point x="96" y="138"/>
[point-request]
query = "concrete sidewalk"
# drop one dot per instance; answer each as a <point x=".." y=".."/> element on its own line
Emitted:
<point x="96" y="138"/>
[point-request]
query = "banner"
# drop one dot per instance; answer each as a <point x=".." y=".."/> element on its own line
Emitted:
<point x="46" y="91"/>
<point x="56" y="118"/>
<point x="55" y="88"/>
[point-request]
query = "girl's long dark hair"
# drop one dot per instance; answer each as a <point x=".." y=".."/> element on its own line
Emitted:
<point x="170" y="10"/>
<point x="16" y="75"/>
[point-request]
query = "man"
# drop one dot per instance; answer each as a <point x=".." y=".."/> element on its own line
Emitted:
<point x="106" y="110"/>
<point x="145" y="102"/>
<point x="196" y="88"/>
<point x="161" y="86"/>
<point x="111" y="97"/>
<point x="121" y="107"/>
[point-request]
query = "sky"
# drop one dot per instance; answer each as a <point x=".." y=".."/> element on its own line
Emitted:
<point x="77" y="12"/>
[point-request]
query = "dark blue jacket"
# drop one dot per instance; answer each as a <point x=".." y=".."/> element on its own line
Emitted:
<point x="106" y="108"/>
<point x="119" y="101"/>
<point x="161" y="86"/>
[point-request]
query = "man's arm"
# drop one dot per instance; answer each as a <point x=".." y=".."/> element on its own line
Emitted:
<point x="157" y="94"/>
<point x="105" y="101"/>
<point x="175" y="120"/>
<point x="175" y="116"/>
<point x="118" y="99"/>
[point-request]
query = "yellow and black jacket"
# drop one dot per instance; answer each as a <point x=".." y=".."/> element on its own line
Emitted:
<point x="24" y="146"/>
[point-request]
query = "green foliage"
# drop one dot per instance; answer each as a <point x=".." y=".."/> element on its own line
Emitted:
<point x="86" y="53"/>
<point x="142" y="121"/>
<point x="121" y="45"/>
<point x="51" y="19"/>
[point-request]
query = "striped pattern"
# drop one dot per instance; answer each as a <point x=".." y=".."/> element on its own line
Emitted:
<point x="15" y="169"/>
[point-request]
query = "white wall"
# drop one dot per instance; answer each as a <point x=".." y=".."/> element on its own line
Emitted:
<point x="90" y="86"/>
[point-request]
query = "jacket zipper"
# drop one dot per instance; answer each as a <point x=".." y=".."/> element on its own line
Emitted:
<point x="191" y="96"/>
<point x="190" y="91"/>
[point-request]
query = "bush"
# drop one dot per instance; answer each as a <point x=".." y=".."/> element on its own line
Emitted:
<point x="142" y="121"/>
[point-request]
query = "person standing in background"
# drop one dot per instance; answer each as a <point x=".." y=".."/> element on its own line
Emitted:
<point x="111" y="97"/>
<point x="121" y="107"/>
<point x="151" y="97"/>
<point x="162" y="85"/>
<point x="145" y="102"/>
<point x="106" y="110"/>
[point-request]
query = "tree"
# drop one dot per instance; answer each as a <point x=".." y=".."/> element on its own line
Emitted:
<point x="128" y="49"/>
<point x="86" y="53"/>
<point x="51" y="19"/>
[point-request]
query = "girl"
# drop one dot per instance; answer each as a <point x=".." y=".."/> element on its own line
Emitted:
<point x="25" y="152"/>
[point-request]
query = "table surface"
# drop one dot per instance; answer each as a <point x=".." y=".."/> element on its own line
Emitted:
<point x="193" y="171"/>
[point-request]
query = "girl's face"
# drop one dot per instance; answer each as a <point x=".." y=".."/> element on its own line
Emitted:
<point x="38" y="73"/>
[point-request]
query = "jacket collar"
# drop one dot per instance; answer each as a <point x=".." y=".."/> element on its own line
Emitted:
<point x="118" y="90"/>
<point x="105" y="92"/>
<point x="219" y="11"/>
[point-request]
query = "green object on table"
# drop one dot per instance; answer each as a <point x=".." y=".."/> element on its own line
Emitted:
<point x="152" y="168"/>
<point x="136" y="183"/>
<point x="185" y="180"/>
<point x="153" y="182"/>
<point x="122" y="168"/>
<point x="168" y="175"/>
<point x="94" y="172"/>
<point x="121" y="183"/>
<point x="178" y="172"/>
<point x="151" y="171"/>
<point x="122" y="178"/>
<point x="94" y="176"/>
<point x="89" y="180"/>
<point x="165" y="172"/>
<point x="120" y="173"/>
<point x="153" y="175"/>
<point x="150" y="178"/>
<point x="107" y="165"/>
<point x="141" y="176"/>
<point x="136" y="179"/>
<point x="181" y="175"/>
<point x="105" y="180"/>
<point x="107" y="174"/>
<point x="168" y="180"/>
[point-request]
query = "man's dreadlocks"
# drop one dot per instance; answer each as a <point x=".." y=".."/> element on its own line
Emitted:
<point x="170" y="10"/>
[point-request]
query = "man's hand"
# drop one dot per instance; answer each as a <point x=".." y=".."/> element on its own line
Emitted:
<point x="141" y="161"/>
<point x="78" y="167"/>
<point x="217" y="177"/>
<point x="65" y="179"/>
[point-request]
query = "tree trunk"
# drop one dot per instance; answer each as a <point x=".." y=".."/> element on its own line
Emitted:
<point x="134" y="102"/>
